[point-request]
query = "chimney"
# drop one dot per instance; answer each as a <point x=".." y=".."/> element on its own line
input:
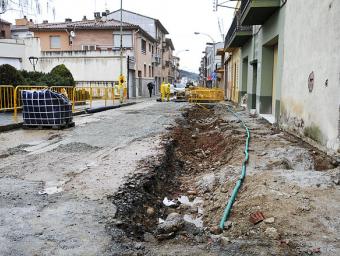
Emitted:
<point x="45" y="21"/>
<point x="104" y="17"/>
<point x="97" y="15"/>
<point x="30" y="23"/>
<point x="68" y="20"/>
<point x="84" y="18"/>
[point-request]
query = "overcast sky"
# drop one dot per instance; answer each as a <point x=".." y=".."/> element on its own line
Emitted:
<point x="180" y="17"/>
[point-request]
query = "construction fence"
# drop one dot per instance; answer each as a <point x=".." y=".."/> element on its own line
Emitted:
<point x="80" y="97"/>
<point x="205" y="95"/>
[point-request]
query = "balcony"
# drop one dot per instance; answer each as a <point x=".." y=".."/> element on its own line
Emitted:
<point x="257" y="12"/>
<point x="156" y="59"/>
<point x="237" y="35"/>
<point x="219" y="68"/>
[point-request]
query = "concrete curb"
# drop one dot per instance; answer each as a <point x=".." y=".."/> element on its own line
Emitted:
<point x="9" y="127"/>
<point x="14" y="126"/>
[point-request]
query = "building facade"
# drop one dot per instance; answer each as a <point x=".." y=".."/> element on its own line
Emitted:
<point x="21" y="29"/>
<point x="156" y="29"/>
<point x="5" y="29"/>
<point x="289" y="73"/>
<point x="91" y="50"/>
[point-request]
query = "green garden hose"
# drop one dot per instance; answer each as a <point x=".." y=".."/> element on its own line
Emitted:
<point x="239" y="182"/>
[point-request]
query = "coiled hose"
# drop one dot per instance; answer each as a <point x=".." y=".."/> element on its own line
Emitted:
<point x="239" y="182"/>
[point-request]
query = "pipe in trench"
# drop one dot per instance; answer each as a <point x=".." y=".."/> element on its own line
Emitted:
<point x="239" y="182"/>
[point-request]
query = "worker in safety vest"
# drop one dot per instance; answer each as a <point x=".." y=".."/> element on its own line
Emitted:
<point x="167" y="92"/>
<point x="163" y="91"/>
<point x="121" y="86"/>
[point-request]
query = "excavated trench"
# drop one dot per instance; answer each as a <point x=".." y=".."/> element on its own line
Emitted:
<point x="145" y="191"/>
<point x="202" y="141"/>
<point x="195" y="144"/>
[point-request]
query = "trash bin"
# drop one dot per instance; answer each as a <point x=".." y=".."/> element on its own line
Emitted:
<point x="45" y="108"/>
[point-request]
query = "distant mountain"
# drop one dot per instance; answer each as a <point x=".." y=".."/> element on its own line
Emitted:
<point x="188" y="74"/>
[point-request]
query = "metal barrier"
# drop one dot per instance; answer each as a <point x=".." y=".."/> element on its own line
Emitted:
<point x="68" y="91"/>
<point x="17" y="96"/>
<point x="205" y="95"/>
<point x="10" y="96"/>
<point x="91" y="94"/>
<point x="6" y="97"/>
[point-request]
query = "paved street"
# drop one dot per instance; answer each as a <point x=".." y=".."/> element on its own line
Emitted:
<point x="55" y="184"/>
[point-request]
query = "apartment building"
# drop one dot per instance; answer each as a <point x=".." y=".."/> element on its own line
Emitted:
<point x="21" y="29"/>
<point x="156" y="29"/>
<point x="168" y="67"/>
<point x="287" y="67"/>
<point x="91" y="50"/>
<point x="5" y="29"/>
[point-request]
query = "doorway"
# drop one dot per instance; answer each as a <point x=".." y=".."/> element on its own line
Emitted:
<point x="275" y="51"/>
<point x="254" y="87"/>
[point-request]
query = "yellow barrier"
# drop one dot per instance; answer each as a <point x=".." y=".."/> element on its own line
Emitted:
<point x="6" y="97"/>
<point x="68" y="91"/>
<point x="82" y="94"/>
<point x="10" y="96"/>
<point x="205" y="95"/>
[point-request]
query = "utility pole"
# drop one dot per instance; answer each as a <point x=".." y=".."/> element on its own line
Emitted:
<point x="121" y="79"/>
<point x="121" y="37"/>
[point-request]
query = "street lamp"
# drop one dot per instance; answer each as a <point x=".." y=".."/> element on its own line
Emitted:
<point x="33" y="61"/>
<point x="214" y="44"/>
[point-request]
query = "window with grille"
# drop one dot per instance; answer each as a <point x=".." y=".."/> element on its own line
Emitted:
<point x="143" y="46"/>
<point x="89" y="47"/>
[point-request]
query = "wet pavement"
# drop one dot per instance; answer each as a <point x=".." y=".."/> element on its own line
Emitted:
<point x="55" y="184"/>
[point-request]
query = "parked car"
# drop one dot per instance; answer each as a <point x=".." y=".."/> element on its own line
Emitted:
<point x="180" y="90"/>
<point x="172" y="89"/>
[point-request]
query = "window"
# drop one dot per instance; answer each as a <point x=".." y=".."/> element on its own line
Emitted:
<point x="152" y="49"/>
<point x="149" y="71"/>
<point x="143" y="47"/>
<point x="89" y="47"/>
<point x="144" y="70"/>
<point x="55" y="42"/>
<point x="2" y="34"/>
<point x="149" y="47"/>
<point x="126" y="41"/>
<point x="152" y="71"/>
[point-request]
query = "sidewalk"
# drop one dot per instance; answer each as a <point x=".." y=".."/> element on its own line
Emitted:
<point x="7" y="121"/>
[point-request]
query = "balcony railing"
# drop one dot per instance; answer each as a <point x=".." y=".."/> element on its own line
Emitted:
<point x="244" y="4"/>
<point x="156" y="59"/>
<point x="237" y="35"/>
<point x="257" y="12"/>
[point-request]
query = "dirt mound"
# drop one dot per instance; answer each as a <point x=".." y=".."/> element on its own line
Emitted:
<point x="76" y="147"/>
